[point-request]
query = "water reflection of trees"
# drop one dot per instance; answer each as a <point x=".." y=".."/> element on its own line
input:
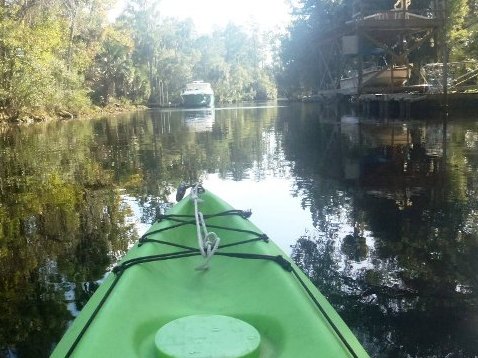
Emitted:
<point x="168" y="147"/>
<point x="63" y="222"/>
<point x="393" y="249"/>
<point x="61" y="226"/>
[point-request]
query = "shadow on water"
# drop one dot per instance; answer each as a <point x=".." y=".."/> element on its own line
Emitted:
<point x="396" y="241"/>
<point x="393" y="235"/>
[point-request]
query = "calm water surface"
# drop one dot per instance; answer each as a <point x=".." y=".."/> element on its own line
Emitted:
<point x="383" y="217"/>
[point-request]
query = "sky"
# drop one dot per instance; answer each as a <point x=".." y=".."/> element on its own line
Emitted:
<point x="208" y="14"/>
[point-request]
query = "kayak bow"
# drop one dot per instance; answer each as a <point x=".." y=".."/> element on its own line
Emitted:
<point x="185" y="291"/>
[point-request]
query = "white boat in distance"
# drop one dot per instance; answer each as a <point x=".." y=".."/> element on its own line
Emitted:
<point x="198" y="94"/>
<point x="395" y="76"/>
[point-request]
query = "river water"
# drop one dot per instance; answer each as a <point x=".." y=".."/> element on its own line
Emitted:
<point x="382" y="215"/>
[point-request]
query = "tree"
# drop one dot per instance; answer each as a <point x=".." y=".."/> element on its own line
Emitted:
<point x="301" y="68"/>
<point x="45" y="49"/>
<point x="111" y="74"/>
<point x="141" y="17"/>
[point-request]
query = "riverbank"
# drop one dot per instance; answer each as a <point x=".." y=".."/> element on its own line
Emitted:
<point x="40" y="116"/>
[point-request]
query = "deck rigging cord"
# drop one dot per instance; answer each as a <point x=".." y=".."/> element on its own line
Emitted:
<point x="208" y="241"/>
<point x="209" y="245"/>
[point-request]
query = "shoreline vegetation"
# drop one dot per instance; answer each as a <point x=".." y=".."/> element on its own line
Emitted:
<point x="30" y="117"/>
<point x="63" y="59"/>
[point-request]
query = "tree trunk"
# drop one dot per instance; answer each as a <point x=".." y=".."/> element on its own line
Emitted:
<point x="74" y="11"/>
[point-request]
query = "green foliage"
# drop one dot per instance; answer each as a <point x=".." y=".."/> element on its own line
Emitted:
<point x="28" y="65"/>
<point x="112" y="71"/>
<point x="32" y="61"/>
<point x="62" y="55"/>
<point x="302" y="70"/>
<point x="457" y="33"/>
<point x="236" y="65"/>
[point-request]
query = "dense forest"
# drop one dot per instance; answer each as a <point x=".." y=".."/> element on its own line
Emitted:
<point x="66" y="57"/>
<point x="63" y="57"/>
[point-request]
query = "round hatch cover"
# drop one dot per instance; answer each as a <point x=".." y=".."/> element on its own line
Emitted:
<point x="211" y="336"/>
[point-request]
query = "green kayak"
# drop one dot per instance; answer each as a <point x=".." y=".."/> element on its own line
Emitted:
<point x="206" y="282"/>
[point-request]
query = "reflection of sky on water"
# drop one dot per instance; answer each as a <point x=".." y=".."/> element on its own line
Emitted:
<point x="274" y="210"/>
<point x="136" y="215"/>
<point x="280" y="213"/>
<point x="284" y="223"/>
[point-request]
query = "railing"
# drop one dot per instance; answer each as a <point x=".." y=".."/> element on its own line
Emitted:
<point x="462" y="76"/>
<point x="434" y="11"/>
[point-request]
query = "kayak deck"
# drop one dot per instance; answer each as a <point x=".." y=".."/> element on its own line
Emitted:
<point x="248" y="279"/>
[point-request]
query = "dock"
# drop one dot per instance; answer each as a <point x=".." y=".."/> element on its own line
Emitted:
<point x="398" y="87"/>
<point x="404" y="106"/>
